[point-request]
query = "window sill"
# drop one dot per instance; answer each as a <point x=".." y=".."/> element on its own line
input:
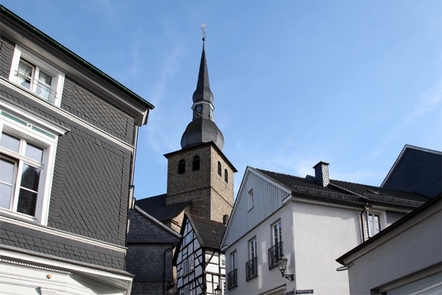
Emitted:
<point x="17" y="216"/>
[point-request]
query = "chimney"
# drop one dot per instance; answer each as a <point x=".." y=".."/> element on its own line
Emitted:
<point x="321" y="174"/>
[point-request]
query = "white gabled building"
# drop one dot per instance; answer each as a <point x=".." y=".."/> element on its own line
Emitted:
<point x="306" y="221"/>
<point x="201" y="267"/>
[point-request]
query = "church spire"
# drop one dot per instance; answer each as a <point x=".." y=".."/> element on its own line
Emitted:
<point x="203" y="92"/>
<point x="202" y="128"/>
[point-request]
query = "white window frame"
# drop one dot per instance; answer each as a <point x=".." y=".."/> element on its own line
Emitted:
<point x="276" y="239"/>
<point x="233" y="261"/>
<point x="252" y="248"/>
<point x="370" y="223"/>
<point x="57" y="76"/>
<point x="33" y="130"/>
<point x="251" y="199"/>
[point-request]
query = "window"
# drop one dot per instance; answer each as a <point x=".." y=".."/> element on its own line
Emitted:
<point x="252" y="263"/>
<point x="232" y="276"/>
<point x="219" y="168"/>
<point x="226" y="175"/>
<point x="196" y="163"/>
<point x="39" y="77"/>
<point x="181" y="166"/>
<point x="275" y="252"/>
<point x="250" y="199"/>
<point x="374" y="224"/>
<point x="188" y="265"/>
<point x="27" y="155"/>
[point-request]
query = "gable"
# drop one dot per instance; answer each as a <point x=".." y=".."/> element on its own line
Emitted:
<point x="416" y="170"/>
<point x="268" y="197"/>
<point x="145" y="229"/>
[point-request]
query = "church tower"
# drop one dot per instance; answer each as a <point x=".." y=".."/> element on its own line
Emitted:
<point x="200" y="173"/>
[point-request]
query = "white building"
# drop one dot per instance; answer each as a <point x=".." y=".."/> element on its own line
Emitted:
<point x="307" y="221"/>
<point x="404" y="259"/>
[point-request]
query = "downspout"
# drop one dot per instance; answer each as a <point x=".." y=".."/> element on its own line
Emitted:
<point x="132" y="168"/>
<point x="365" y="210"/>
<point x="165" y="268"/>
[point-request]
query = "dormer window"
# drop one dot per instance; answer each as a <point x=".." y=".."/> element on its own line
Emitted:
<point x="181" y="166"/>
<point x="196" y="163"/>
<point x="37" y="76"/>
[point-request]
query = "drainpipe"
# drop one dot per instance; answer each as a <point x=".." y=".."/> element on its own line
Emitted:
<point x="365" y="210"/>
<point x="165" y="267"/>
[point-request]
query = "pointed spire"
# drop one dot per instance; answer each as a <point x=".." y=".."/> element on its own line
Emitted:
<point x="202" y="128"/>
<point x="203" y="92"/>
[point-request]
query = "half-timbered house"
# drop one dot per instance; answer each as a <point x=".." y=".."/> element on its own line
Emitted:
<point x="199" y="261"/>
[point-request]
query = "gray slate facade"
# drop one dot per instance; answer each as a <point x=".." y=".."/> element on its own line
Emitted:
<point x="83" y="220"/>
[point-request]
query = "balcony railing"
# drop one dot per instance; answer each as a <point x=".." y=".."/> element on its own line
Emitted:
<point x="251" y="268"/>
<point x="232" y="279"/>
<point x="275" y="253"/>
<point x="38" y="87"/>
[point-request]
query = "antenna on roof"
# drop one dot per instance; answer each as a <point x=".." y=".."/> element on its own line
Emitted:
<point x="203" y="29"/>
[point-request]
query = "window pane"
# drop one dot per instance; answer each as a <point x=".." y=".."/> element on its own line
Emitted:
<point x="30" y="177"/>
<point x="5" y="195"/>
<point x="9" y="142"/>
<point x="26" y="202"/>
<point x="6" y="182"/>
<point x="24" y="75"/>
<point x="44" y="78"/>
<point x="6" y="171"/>
<point x="34" y="152"/>
<point x="43" y="85"/>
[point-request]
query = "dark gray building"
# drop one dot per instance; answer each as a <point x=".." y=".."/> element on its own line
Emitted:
<point x="68" y="136"/>
<point x="416" y="170"/>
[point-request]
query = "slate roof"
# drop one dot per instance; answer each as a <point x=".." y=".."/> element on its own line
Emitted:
<point x="346" y="192"/>
<point x="209" y="232"/>
<point x="416" y="170"/>
<point x="156" y="207"/>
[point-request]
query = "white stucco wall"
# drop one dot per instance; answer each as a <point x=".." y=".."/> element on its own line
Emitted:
<point x="412" y="251"/>
<point x="323" y="233"/>
<point x="314" y="235"/>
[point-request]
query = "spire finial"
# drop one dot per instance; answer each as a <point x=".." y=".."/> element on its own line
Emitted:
<point x="203" y="29"/>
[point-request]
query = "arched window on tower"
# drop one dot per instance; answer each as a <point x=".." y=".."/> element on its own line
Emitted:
<point x="196" y="163"/>
<point x="226" y="175"/>
<point x="181" y="166"/>
<point x="219" y="168"/>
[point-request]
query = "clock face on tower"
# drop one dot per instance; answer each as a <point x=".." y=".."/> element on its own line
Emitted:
<point x="199" y="112"/>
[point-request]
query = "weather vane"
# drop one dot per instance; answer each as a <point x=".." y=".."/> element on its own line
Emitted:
<point x="203" y="29"/>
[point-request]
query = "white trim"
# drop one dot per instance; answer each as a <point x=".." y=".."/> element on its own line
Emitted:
<point x="62" y="234"/>
<point x="24" y="127"/>
<point x="104" y="272"/>
<point x="58" y="76"/>
<point x="69" y="116"/>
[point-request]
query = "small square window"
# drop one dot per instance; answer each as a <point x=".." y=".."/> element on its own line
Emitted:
<point x="37" y="76"/>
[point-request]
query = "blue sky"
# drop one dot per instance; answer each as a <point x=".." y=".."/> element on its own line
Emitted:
<point x="295" y="82"/>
